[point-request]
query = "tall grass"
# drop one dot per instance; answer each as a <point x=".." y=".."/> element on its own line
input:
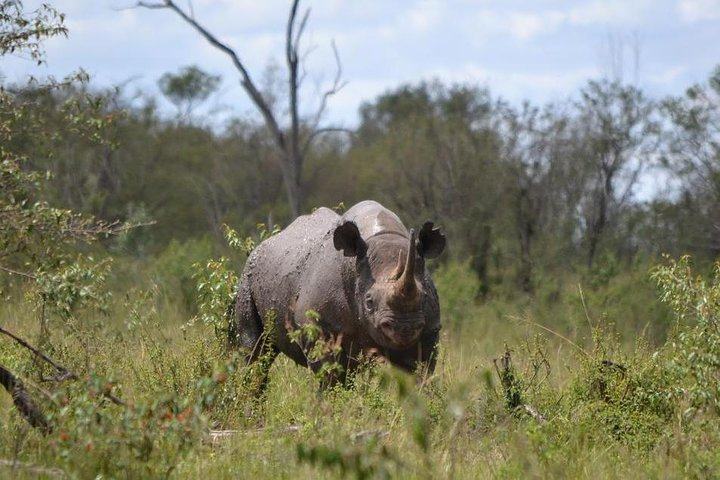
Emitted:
<point x="612" y="397"/>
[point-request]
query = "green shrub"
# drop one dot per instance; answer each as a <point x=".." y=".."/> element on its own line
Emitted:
<point x="174" y="269"/>
<point x="694" y="348"/>
<point x="458" y="288"/>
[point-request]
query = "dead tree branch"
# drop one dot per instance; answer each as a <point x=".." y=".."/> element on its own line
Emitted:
<point x="63" y="373"/>
<point x="337" y="85"/>
<point x="292" y="45"/>
<point x="33" y="469"/>
<point x="17" y="272"/>
<point x="216" y="435"/>
<point x="293" y="141"/>
<point x="60" y="369"/>
<point x="247" y="81"/>
<point x="27" y="407"/>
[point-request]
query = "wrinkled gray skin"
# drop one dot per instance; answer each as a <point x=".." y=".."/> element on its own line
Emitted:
<point x="351" y="269"/>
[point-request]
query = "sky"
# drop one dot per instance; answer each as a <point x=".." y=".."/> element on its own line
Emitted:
<point x="540" y="50"/>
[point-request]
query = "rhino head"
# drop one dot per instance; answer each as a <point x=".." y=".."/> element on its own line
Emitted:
<point x="390" y="279"/>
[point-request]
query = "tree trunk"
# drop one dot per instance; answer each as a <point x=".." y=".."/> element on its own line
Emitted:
<point x="292" y="178"/>
<point x="598" y="225"/>
<point x="525" y="234"/>
<point x="525" y="274"/>
<point x="480" y="260"/>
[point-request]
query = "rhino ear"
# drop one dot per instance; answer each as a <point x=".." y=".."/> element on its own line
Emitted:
<point x="431" y="241"/>
<point x="347" y="238"/>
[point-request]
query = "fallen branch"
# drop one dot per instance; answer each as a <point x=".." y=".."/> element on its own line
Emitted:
<point x="369" y="434"/>
<point x="18" y="272"/>
<point x="530" y="410"/>
<point x="29" y="467"/>
<point x="27" y="407"/>
<point x="63" y="373"/>
<point x="216" y="435"/>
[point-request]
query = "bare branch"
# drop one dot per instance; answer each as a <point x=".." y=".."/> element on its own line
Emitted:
<point x="29" y="410"/>
<point x="63" y="373"/>
<point x="17" y="272"/>
<point x="216" y="435"/>
<point x="321" y="131"/>
<point x="290" y="46"/>
<point x="301" y="30"/>
<point x="60" y="377"/>
<point x="247" y="82"/>
<point x="62" y="370"/>
<point x="364" y="435"/>
<point x="303" y="61"/>
<point x="532" y="411"/>
<point x="290" y="140"/>
<point x="151" y="6"/>
<point x="337" y="85"/>
<point x="291" y="54"/>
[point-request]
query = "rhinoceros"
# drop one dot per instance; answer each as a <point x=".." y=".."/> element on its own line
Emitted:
<point x="362" y="272"/>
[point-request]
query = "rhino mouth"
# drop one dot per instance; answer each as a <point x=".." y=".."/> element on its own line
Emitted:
<point x="400" y="334"/>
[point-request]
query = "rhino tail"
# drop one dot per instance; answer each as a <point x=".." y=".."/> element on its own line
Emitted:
<point x="244" y="323"/>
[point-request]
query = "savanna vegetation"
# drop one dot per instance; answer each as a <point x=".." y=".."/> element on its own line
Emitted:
<point x="581" y="321"/>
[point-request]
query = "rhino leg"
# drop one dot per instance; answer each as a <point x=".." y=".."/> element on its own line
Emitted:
<point x="247" y="332"/>
<point x="336" y="374"/>
<point x="245" y="329"/>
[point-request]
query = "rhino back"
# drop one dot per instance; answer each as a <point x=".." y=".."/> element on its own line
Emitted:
<point x="277" y="266"/>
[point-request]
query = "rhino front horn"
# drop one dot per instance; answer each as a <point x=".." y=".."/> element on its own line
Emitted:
<point x="407" y="287"/>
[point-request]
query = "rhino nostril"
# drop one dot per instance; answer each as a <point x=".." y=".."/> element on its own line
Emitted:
<point x="386" y="326"/>
<point x="401" y="328"/>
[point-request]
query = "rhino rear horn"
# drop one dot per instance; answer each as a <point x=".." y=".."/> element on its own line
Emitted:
<point x="346" y="237"/>
<point x="431" y="241"/>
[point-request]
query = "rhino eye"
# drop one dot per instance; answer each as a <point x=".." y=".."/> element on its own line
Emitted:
<point x="369" y="303"/>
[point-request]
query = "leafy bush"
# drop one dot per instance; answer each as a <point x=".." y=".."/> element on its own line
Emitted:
<point x="458" y="288"/>
<point x="175" y="273"/>
<point x="694" y="349"/>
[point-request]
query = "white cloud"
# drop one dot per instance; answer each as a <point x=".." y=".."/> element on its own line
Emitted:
<point x="518" y="86"/>
<point x="693" y="11"/>
<point x="426" y="15"/>
<point x="668" y="76"/>
<point x="345" y="104"/>
<point x="523" y="45"/>
<point x="610" y="12"/>
<point x="526" y="25"/>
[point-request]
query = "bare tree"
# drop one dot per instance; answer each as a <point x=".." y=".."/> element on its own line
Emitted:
<point x="294" y="140"/>
<point x="692" y="154"/>
<point x="620" y="134"/>
<point x="531" y="138"/>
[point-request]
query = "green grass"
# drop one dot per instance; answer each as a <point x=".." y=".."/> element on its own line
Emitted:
<point x="181" y="383"/>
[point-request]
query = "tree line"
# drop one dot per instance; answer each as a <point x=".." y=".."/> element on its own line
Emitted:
<point x="521" y="190"/>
